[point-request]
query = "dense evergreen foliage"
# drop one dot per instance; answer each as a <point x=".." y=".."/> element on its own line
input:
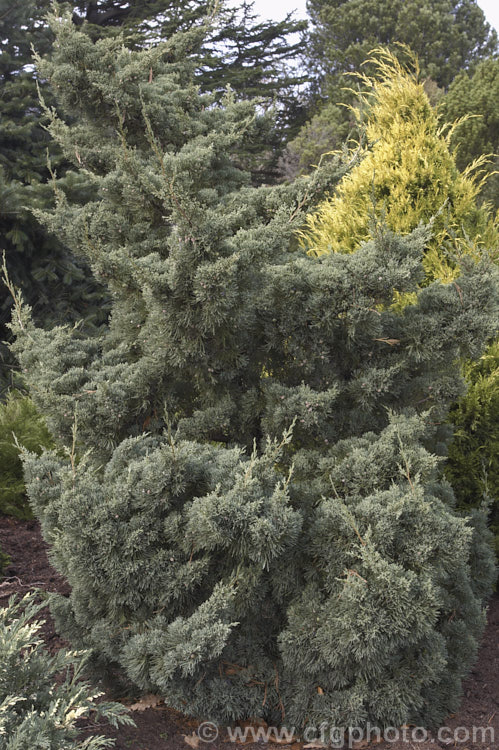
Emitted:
<point x="251" y="514"/>
<point x="57" y="283"/>
<point x="58" y="286"/>
<point x="409" y="175"/>
<point x="332" y="128"/>
<point x="43" y="696"/>
<point x="258" y="60"/>
<point x="446" y="35"/>
<point x="449" y="37"/>
<point x="475" y="94"/>
<point x="473" y="465"/>
<point x="20" y="425"/>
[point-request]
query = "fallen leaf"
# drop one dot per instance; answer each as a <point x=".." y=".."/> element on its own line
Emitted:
<point x="320" y="691"/>
<point x="390" y="342"/>
<point x="147" y="701"/>
<point x="192" y="740"/>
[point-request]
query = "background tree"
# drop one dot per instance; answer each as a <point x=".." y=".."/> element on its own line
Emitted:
<point x="407" y="175"/>
<point x="446" y="35"/>
<point x="249" y="507"/>
<point x="327" y="132"/>
<point x="20" y="424"/>
<point x="258" y="60"/>
<point x="475" y="92"/>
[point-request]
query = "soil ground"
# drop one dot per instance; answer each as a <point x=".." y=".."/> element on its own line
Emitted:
<point x="160" y="728"/>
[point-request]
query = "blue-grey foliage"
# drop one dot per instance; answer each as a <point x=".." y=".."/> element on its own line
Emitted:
<point x="251" y="514"/>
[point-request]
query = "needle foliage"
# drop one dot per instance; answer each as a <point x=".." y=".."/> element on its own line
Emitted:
<point x="42" y="696"/>
<point x="251" y="511"/>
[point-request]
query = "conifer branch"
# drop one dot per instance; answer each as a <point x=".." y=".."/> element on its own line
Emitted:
<point x="16" y="296"/>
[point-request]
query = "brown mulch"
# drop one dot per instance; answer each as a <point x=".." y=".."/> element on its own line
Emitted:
<point x="29" y="569"/>
<point x="160" y="728"/>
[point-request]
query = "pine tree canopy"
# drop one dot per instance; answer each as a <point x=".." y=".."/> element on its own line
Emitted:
<point x="109" y="13"/>
<point x="252" y="505"/>
<point x="475" y="94"/>
<point x="446" y="35"/>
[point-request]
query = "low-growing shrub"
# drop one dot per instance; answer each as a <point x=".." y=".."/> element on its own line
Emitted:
<point x="42" y="696"/>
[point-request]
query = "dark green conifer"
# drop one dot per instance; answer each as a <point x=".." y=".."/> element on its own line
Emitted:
<point x="474" y="95"/>
<point x="446" y="35"/>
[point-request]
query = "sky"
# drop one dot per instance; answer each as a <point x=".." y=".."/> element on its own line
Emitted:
<point x="277" y="9"/>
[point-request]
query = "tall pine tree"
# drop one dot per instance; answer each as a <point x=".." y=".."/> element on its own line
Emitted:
<point x="446" y="35"/>
<point x="474" y="97"/>
<point x="251" y="513"/>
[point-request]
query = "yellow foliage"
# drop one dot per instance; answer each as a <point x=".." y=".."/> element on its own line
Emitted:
<point x="407" y="175"/>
